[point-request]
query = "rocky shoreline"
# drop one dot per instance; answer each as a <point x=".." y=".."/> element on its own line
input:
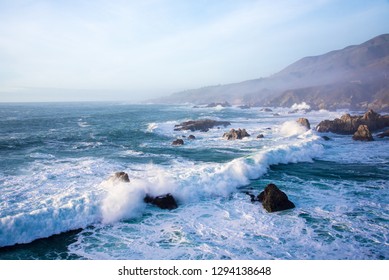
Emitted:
<point x="272" y="198"/>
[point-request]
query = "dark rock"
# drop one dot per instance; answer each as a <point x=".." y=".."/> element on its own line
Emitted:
<point x="260" y="136"/>
<point x="122" y="176"/>
<point x="326" y="138"/>
<point x="304" y="122"/>
<point x="266" y="110"/>
<point x="253" y="198"/>
<point x="236" y="134"/>
<point x="294" y="111"/>
<point x="273" y="199"/>
<point x="276" y="115"/>
<point x="363" y="134"/>
<point x="383" y="134"/>
<point x="191" y="137"/>
<point x="200" y="125"/>
<point x="166" y="201"/>
<point x="178" y="142"/>
<point x="348" y="124"/>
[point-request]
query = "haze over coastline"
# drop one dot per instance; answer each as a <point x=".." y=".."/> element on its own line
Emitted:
<point x="132" y="51"/>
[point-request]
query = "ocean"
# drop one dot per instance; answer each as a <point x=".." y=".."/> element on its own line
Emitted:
<point x="59" y="202"/>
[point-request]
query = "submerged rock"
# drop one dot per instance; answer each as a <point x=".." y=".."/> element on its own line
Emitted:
<point x="191" y="137"/>
<point x="236" y="134"/>
<point x="215" y="104"/>
<point x="348" y="124"/>
<point x="273" y="199"/>
<point x="363" y="134"/>
<point x="166" y="201"/>
<point x="178" y="142"/>
<point x="304" y="122"/>
<point x="200" y="125"/>
<point x="326" y="138"/>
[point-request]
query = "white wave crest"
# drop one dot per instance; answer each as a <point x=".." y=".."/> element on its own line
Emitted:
<point x="300" y="106"/>
<point x="112" y="201"/>
<point x="291" y="128"/>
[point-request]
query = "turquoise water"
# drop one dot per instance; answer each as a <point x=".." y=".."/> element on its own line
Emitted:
<point x="58" y="201"/>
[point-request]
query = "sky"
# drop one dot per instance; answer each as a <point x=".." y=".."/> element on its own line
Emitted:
<point x="131" y="50"/>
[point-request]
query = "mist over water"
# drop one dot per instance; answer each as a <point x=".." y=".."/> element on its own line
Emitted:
<point x="56" y="162"/>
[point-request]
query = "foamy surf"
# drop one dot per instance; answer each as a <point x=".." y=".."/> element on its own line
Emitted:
<point x="112" y="201"/>
<point x="54" y="182"/>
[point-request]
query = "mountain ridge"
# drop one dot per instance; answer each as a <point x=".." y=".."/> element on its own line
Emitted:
<point x="355" y="77"/>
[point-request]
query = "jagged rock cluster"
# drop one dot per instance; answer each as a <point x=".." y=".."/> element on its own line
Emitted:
<point x="360" y="126"/>
<point x="236" y="134"/>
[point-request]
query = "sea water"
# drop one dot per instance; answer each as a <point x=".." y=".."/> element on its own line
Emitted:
<point x="59" y="202"/>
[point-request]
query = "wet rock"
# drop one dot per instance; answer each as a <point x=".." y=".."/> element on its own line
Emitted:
<point x="191" y="137"/>
<point x="348" y="124"/>
<point x="273" y="199"/>
<point x="200" y="125"/>
<point x="304" y="122"/>
<point x="178" y="142"/>
<point x="363" y="134"/>
<point x="253" y="198"/>
<point x="326" y="138"/>
<point x="260" y="136"/>
<point x="236" y="134"/>
<point x="383" y="134"/>
<point x="121" y="176"/>
<point x="166" y="201"/>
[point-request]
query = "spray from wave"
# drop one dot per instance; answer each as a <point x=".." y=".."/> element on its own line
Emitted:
<point x="112" y="201"/>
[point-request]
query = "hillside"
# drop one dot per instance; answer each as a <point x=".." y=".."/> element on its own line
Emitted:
<point x="356" y="77"/>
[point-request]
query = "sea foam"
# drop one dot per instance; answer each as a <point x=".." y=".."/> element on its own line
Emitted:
<point x="74" y="193"/>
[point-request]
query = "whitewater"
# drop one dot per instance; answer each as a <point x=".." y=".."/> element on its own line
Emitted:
<point x="59" y="201"/>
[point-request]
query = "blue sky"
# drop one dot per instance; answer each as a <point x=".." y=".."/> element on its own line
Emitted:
<point x="132" y="50"/>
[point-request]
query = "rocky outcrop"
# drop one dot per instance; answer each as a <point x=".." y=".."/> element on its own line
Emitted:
<point x="304" y="122"/>
<point x="383" y="134"/>
<point x="178" y="142"/>
<point x="215" y="104"/>
<point x="348" y="124"/>
<point x="200" y="125"/>
<point x="363" y="134"/>
<point x="121" y="176"/>
<point x="166" y="201"/>
<point x="236" y="134"/>
<point x="260" y="136"/>
<point x="191" y="137"/>
<point x="273" y="199"/>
